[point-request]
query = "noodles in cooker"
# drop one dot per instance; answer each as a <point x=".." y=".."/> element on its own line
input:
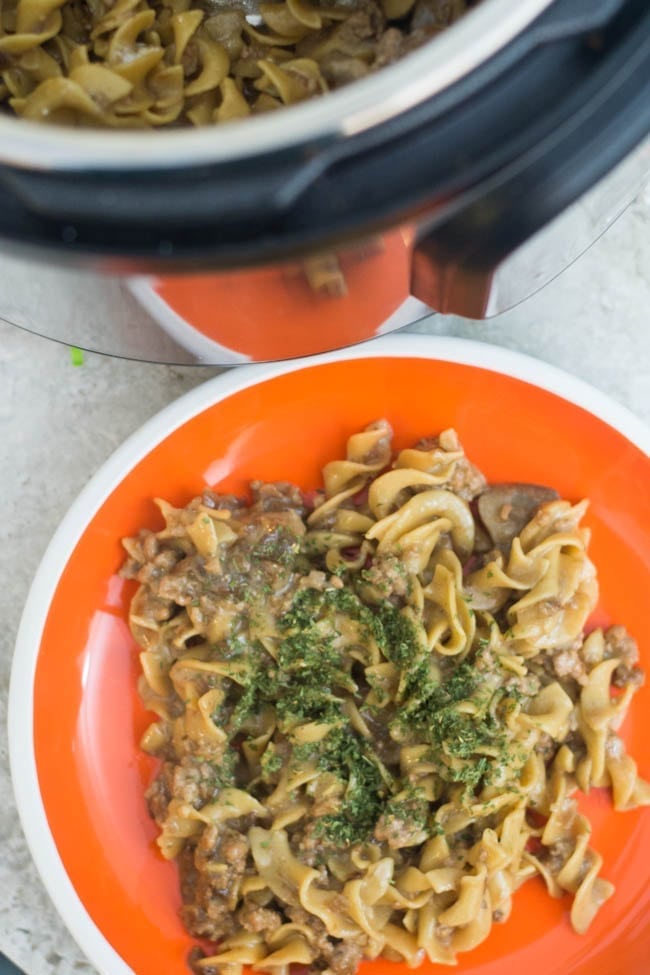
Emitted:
<point x="150" y="63"/>
<point x="375" y="704"/>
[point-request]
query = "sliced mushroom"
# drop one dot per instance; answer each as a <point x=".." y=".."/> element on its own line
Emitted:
<point x="505" y="509"/>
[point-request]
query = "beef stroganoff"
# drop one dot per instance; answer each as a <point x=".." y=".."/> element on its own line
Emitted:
<point x="153" y="63"/>
<point x="375" y="704"/>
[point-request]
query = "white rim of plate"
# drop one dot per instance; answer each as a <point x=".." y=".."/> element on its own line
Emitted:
<point x="20" y="720"/>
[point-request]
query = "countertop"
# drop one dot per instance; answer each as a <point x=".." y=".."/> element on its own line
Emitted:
<point x="58" y="423"/>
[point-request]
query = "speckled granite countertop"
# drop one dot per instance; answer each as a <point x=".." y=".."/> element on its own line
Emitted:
<point x="59" y="423"/>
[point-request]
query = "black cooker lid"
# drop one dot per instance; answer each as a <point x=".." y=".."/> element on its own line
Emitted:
<point x="479" y="168"/>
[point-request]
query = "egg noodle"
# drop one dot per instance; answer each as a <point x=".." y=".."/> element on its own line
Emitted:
<point x="152" y="63"/>
<point x="374" y="706"/>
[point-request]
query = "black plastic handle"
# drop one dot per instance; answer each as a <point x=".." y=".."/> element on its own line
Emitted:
<point x="588" y="133"/>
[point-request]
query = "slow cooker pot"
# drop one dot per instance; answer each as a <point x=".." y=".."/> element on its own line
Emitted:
<point x="442" y="182"/>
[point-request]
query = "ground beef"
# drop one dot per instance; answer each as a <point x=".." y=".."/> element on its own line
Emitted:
<point x="226" y="27"/>
<point x="278" y="496"/>
<point x="219" y="861"/>
<point x="356" y="37"/>
<point x="309" y="846"/>
<point x="388" y="576"/>
<point x="184" y="584"/>
<point x="259" y="919"/>
<point x="152" y="606"/>
<point x="466" y="480"/>
<point x="222" y="845"/>
<point x="190" y="59"/>
<point x="397" y="832"/>
<point x="220" y="502"/>
<point x="628" y="676"/>
<point x="189" y="875"/>
<point x="194" y="781"/>
<point x="339" y="69"/>
<point x="342" y="958"/>
<point x="568" y="663"/>
<point x="389" y="48"/>
<point x="437" y="13"/>
<point x="210" y="916"/>
<point x="190" y="779"/>
<point x="159" y="793"/>
<point x="619" y="643"/>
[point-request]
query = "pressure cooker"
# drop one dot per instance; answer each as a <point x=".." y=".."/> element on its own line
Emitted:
<point x="460" y="179"/>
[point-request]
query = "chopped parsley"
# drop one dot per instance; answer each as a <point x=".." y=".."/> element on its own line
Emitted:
<point x="271" y="762"/>
<point x="456" y="738"/>
<point x="345" y="755"/>
<point x="311" y="678"/>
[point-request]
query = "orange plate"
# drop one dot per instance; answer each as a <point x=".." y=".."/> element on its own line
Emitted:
<point x="285" y="423"/>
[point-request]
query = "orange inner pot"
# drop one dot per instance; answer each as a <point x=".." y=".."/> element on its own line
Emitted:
<point x="88" y="717"/>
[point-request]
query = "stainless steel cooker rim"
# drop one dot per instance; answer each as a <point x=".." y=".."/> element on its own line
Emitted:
<point x="364" y="105"/>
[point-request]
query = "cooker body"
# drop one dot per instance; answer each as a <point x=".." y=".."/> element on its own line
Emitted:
<point x="467" y="202"/>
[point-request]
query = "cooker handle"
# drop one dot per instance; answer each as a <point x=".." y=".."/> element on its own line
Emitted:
<point x="460" y="262"/>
